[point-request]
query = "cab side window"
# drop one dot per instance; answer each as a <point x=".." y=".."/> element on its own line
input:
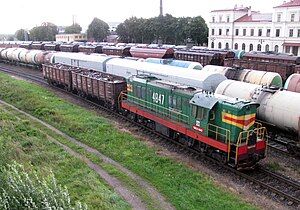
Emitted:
<point x="199" y="112"/>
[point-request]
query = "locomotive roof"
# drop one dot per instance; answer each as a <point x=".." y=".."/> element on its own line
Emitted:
<point x="208" y="100"/>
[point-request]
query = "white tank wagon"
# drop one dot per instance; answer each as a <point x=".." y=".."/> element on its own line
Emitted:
<point x="9" y="53"/>
<point x="126" y="68"/>
<point x="30" y="56"/>
<point x="280" y="108"/>
<point x="178" y="63"/>
<point x="247" y="75"/>
<point x="2" y="53"/>
<point x="260" y="77"/>
<point x="16" y="54"/>
<point x="92" y="62"/>
<point x="194" y="78"/>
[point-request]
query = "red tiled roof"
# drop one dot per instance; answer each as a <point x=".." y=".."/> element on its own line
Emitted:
<point x="292" y="3"/>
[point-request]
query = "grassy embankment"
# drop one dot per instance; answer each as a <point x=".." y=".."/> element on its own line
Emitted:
<point x="184" y="188"/>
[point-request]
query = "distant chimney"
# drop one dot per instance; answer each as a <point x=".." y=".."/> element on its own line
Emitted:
<point x="249" y="11"/>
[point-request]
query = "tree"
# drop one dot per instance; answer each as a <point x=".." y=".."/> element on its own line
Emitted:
<point x="22" y="35"/>
<point x="98" y="30"/>
<point x="73" y="29"/>
<point x="45" y="32"/>
<point x="198" y="30"/>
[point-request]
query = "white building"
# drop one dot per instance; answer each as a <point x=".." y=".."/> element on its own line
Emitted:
<point x="243" y="29"/>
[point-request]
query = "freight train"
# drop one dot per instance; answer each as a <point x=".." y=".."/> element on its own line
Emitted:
<point x="221" y="127"/>
<point x="194" y="78"/>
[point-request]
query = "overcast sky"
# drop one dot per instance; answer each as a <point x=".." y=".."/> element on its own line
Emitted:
<point x="26" y="14"/>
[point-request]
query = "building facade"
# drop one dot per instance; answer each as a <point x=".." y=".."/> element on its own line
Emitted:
<point x="241" y="28"/>
<point x="71" y="37"/>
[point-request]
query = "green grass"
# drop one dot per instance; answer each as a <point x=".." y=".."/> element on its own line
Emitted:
<point x="185" y="188"/>
<point x="275" y="166"/>
<point x="20" y="141"/>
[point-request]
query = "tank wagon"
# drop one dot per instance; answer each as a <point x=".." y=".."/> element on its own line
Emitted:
<point x="171" y="62"/>
<point x="247" y="75"/>
<point x="126" y="68"/>
<point x="216" y="125"/>
<point x="293" y="83"/>
<point x="279" y="109"/>
<point x="162" y="53"/>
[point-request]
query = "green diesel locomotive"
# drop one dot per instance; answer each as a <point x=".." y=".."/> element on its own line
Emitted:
<point x="221" y="127"/>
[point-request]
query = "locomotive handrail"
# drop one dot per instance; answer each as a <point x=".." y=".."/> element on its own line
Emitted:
<point x="157" y="108"/>
<point x="260" y="133"/>
<point x="227" y="136"/>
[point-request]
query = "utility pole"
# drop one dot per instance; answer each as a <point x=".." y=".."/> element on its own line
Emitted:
<point x="161" y="9"/>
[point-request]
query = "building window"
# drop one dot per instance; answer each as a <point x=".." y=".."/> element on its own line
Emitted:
<point x="220" y="45"/>
<point x="258" y="47"/>
<point x="227" y="32"/>
<point x="298" y="34"/>
<point x="227" y="46"/>
<point x="213" y="19"/>
<point x="243" y="46"/>
<point x="268" y="32"/>
<point x="267" y="48"/>
<point x="250" y="47"/>
<point x="220" y="32"/>
<point x="212" y="45"/>
<point x="236" y="46"/>
<point x="291" y="33"/>
<point x="237" y="32"/>
<point x="276" y="48"/>
<point x="227" y="19"/>
<point x="260" y="32"/>
<point x="287" y="49"/>
<point x="220" y="18"/>
<point x="292" y="17"/>
<point x="244" y="32"/>
<point x="278" y="17"/>
<point x="277" y="32"/>
<point x="212" y="31"/>
<point x="252" y="32"/>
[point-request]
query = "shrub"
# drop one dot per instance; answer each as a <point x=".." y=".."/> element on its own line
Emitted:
<point x="22" y="190"/>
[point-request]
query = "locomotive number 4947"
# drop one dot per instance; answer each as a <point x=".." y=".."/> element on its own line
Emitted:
<point x="158" y="98"/>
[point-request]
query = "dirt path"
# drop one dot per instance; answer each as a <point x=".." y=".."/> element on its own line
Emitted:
<point x="127" y="194"/>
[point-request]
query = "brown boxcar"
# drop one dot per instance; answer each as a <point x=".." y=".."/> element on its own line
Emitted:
<point x="283" y="69"/>
<point x="119" y="51"/>
<point x="69" y="47"/>
<point x="106" y="88"/>
<point x="90" y="49"/>
<point x="26" y="46"/>
<point x="280" y="58"/>
<point x="38" y="46"/>
<point x="52" y="47"/>
<point x="59" y="75"/>
<point x="203" y="58"/>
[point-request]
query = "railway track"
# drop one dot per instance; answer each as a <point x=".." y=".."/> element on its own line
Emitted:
<point x="280" y="187"/>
